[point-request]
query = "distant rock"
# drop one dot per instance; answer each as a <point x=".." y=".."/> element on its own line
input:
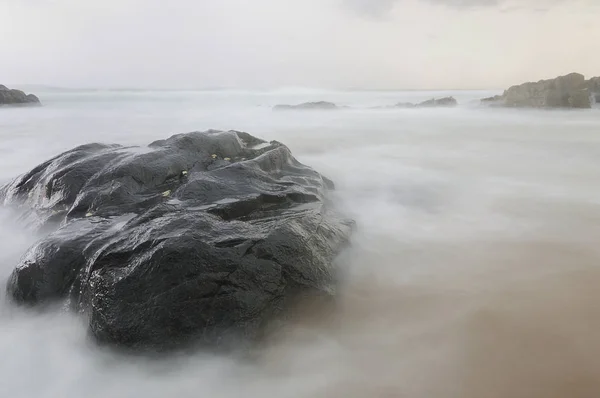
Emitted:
<point x="569" y="91"/>
<point x="431" y="103"/>
<point x="32" y="98"/>
<point x="440" y="102"/>
<point x="552" y="93"/>
<point x="320" y="105"/>
<point x="16" y="97"/>
<point x="496" y="100"/>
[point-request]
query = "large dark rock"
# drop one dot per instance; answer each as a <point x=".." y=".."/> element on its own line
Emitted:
<point x="320" y="105"/>
<point x="16" y="97"/>
<point x="202" y="237"/>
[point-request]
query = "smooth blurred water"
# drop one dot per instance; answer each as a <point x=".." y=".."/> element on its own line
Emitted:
<point x="474" y="271"/>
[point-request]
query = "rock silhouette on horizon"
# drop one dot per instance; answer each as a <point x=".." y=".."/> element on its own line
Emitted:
<point x="16" y="97"/>
<point x="199" y="238"/>
<point x="324" y="105"/>
<point x="318" y="105"/>
<point x="430" y="103"/>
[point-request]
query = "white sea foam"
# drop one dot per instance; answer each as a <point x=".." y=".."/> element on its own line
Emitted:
<point x="474" y="270"/>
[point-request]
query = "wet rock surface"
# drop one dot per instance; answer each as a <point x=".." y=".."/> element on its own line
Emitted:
<point x="16" y="97"/>
<point x="203" y="237"/>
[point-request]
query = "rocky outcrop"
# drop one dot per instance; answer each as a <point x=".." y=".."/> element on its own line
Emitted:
<point x="431" y="103"/>
<point x="16" y="97"/>
<point x="569" y="91"/>
<point x="320" y="105"/>
<point x="561" y="92"/>
<point x="202" y="237"/>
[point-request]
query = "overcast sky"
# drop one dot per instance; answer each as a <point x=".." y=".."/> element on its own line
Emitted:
<point x="382" y="44"/>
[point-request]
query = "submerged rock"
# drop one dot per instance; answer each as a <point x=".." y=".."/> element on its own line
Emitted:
<point x="202" y="237"/>
<point x="16" y="97"/>
<point x="320" y="105"/>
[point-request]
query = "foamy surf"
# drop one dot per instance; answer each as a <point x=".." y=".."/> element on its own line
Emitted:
<point x="473" y="270"/>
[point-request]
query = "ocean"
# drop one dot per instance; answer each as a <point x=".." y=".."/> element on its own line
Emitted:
<point x="474" y="270"/>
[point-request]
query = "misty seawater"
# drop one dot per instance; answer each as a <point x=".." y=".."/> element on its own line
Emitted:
<point x="474" y="270"/>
